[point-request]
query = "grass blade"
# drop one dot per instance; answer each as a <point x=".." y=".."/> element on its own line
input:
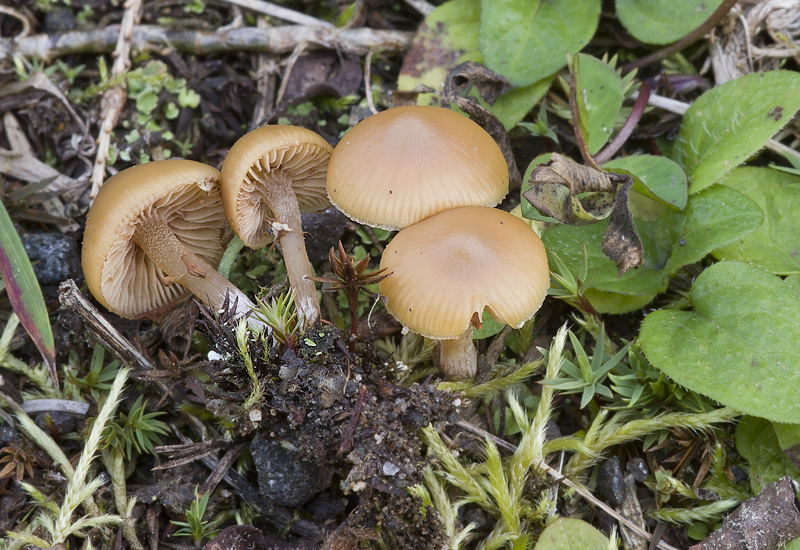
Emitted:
<point x="24" y="292"/>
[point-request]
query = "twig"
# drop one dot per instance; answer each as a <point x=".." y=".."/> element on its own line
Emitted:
<point x="266" y="70"/>
<point x="223" y="466"/>
<point x="18" y="15"/>
<point x="568" y="482"/>
<point x="690" y="38"/>
<point x="114" y="98"/>
<point x="71" y="298"/>
<point x="296" y="53"/>
<point x="421" y="6"/>
<point x="368" y="81"/>
<point x="275" y="40"/>
<point x="278" y="12"/>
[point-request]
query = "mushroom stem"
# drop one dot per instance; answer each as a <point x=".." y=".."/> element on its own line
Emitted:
<point x="279" y="196"/>
<point x="458" y="358"/>
<point x="189" y="270"/>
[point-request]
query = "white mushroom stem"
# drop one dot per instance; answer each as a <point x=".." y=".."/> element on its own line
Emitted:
<point x="279" y="196"/>
<point x="189" y="270"/>
<point x="458" y="358"/>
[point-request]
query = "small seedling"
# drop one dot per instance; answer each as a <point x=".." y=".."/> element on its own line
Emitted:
<point x="195" y="526"/>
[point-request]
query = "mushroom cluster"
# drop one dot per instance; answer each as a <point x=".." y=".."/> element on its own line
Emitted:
<point x="431" y="173"/>
<point x="155" y="231"/>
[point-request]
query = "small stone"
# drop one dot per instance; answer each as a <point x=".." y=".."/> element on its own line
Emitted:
<point x="55" y="257"/>
<point x="322" y="232"/>
<point x="638" y="468"/>
<point x="390" y="469"/>
<point x="286" y="478"/>
<point x="610" y="482"/>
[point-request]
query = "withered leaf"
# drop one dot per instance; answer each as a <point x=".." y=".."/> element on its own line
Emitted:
<point x="490" y="85"/>
<point x="579" y="195"/>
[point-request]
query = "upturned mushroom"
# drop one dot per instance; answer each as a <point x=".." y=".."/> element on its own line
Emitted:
<point x="153" y="235"/>
<point x="446" y="269"/>
<point x="405" y="164"/>
<point x="269" y="177"/>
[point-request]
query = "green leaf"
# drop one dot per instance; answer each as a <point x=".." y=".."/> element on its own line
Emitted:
<point x="757" y="442"/>
<point x="146" y="102"/>
<point x="655" y="177"/>
<point x="528" y="40"/>
<point x="570" y="534"/>
<point x="775" y="246"/>
<point x="447" y="37"/>
<point x="24" y="292"/>
<point x="490" y="327"/>
<point x="659" y="22"/>
<point x="728" y="124"/>
<point x="738" y="346"/>
<point x="599" y="87"/>
<point x="711" y="219"/>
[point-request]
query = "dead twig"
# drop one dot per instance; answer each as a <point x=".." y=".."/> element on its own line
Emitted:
<point x="275" y="40"/>
<point x="71" y="297"/>
<point x="114" y="98"/>
<point x="285" y="14"/>
<point x="19" y="16"/>
<point x="368" y="81"/>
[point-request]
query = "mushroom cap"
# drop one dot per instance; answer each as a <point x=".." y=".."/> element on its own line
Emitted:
<point x="456" y="263"/>
<point x="298" y="154"/>
<point x="405" y="164"/>
<point x="185" y="195"/>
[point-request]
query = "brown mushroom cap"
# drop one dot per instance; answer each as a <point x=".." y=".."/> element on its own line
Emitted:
<point x="297" y="154"/>
<point x="456" y="263"/>
<point x="185" y="195"/>
<point x="405" y="164"/>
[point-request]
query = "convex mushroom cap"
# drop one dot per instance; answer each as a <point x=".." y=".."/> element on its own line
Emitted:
<point x="180" y="197"/>
<point x="405" y="164"/>
<point x="267" y="155"/>
<point x="446" y="269"/>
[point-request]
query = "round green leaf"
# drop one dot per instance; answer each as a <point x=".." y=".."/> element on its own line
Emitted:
<point x="528" y="40"/>
<point x="600" y="89"/>
<point x="447" y="37"/>
<point x="660" y="22"/>
<point x="728" y="124"/>
<point x="775" y="246"/>
<point x="711" y="219"/>
<point x="570" y="534"/>
<point x="738" y="346"/>
<point x="656" y="177"/>
<point x="757" y="442"/>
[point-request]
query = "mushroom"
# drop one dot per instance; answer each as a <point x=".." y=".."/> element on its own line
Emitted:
<point x="152" y="236"/>
<point x="269" y="177"/>
<point x="405" y="164"/>
<point x="446" y="269"/>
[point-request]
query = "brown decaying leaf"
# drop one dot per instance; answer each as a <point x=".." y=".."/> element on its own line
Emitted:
<point x="490" y="85"/>
<point x="621" y="241"/>
<point x="767" y="521"/>
<point x="556" y="189"/>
